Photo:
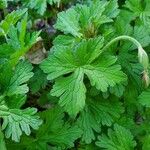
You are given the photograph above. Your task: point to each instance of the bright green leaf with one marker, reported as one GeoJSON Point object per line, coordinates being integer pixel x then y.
{"type": "Point", "coordinates": [118, 139]}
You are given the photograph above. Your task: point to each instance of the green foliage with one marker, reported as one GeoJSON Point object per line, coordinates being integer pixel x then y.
{"type": "Point", "coordinates": [54, 131]}
{"type": "Point", "coordinates": [21, 74]}
{"type": "Point", "coordinates": [80, 62]}
{"type": "Point", "coordinates": [118, 139]}
{"type": "Point", "coordinates": [140, 9]}
{"type": "Point", "coordinates": [40, 5]}
{"type": "Point", "coordinates": [144, 98]}
{"type": "Point", "coordinates": [91, 91]}
{"type": "Point", "coordinates": [3, 4]}
{"type": "Point", "coordinates": [83, 20]}
{"type": "Point", "coordinates": [16, 121]}
{"type": "Point", "coordinates": [38, 81]}
{"type": "Point", "coordinates": [10, 19]}
{"type": "Point", "coordinates": [98, 113]}
{"type": "Point", "coordinates": [14, 74]}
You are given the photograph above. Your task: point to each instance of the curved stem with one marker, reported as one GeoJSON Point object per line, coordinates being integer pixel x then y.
{"type": "Point", "coordinates": [142, 55]}
{"type": "Point", "coordinates": [123, 37]}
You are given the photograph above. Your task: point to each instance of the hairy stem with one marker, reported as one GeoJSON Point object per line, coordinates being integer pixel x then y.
{"type": "Point", "coordinates": [123, 37]}
{"type": "Point", "coordinates": [142, 55]}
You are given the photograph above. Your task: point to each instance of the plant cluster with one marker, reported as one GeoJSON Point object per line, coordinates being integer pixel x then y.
{"type": "Point", "coordinates": [90, 91]}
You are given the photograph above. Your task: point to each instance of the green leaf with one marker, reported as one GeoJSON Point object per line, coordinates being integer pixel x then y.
{"type": "Point", "coordinates": [64, 40]}
{"type": "Point", "coordinates": [122, 23]}
{"type": "Point", "coordinates": [139, 9]}
{"type": "Point", "coordinates": [65, 137]}
{"type": "Point", "coordinates": [117, 90]}
{"type": "Point", "coordinates": [64, 63]}
{"type": "Point", "coordinates": [68, 22]}
{"type": "Point", "coordinates": [71, 91]}
{"type": "Point", "coordinates": [144, 98]}
{"type": "Point", "coordinates": [40, 5]}
{"type": "Point", "coordinates": [53, 120]}
{"type": "Point", "coordinates": [54, 133]}
{"type": "Point", "coordinates": [3, 4]}
{"type": "Point", "coordinates": [97, 113]}
{"type": "Point", "coordinates": [111, 9]}
{"type": "Point", "coordinates": [6, 51]}
{"type": "Point", "coordinates": [2, 142]}
{"type": "Point", "coordinates": [118, 139]}
{"type": "Point", "coordinates": [84, 21]}
{"type": "Point", "coordinates": [88, 147]}
{"type": "Point", "coordinates": [16, 121]}
{"type": "Point", "coordinates": [15, 101]}
{"type": "Point", "coordinates": [10, 20]}
{"type": "Point", "coordinates": [38, 81]}
{"type": "Point", "coordinates": [134, 6]}
{"type": "Point", "coordinates": [105, 73]}
{"type": "Point", "coordinates": [20, 76]}
{"type": "Point", "coordinates": [20, 40]}
{"type": "Point", "coordinates": [78, 63]}
{"type": "Point", "coordinates": [146, 142]}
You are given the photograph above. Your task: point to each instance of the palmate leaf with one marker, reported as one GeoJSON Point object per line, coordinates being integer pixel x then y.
{"type": "Point", "coordinates": [105, 73]}
{"type": "Point", "coordinates": [14, 80]}
{"type": "Point", "coordinates": [96, 113]}
{"type": "Point", "coordinates": [64, 40]}
{"type": "Point", "coordinates": [40, 5]}
{"type": "Point", "coordinates": [9, 20]}
{"type": "Point", "coordinates": [71, 91]}
{"type": "Point", "coordinates": [65, 137]}
{"type": "Point", "coordinates": [54, 133]}
{"type": "Point", "coordinates": [111, 9]}
{"type": "Point", "coordinates": [20, 76]}
{"type": "Point", "coordinates": [84, 21]}
{"type": "Point", "coordinates": [79, 62]}
{"type": "Point", "coordinates": [140, 9]}
{"type": "Point", "coordinates": [20, 40]}
{"type": "Point", "coordinates": [68, 22]}
{"type": "Point", "coordinates": [3, 4]}
{"type": "Point", "coordinates": [118, 139]}
{"type": "Point", "coordinates": [144, 98]}
{"type": "Point", "coordinates": [16, 121]}
{"type": "Point", "coordinates": [66, 62]}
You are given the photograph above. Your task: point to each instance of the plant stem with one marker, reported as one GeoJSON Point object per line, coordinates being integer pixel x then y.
{"type": "Point", "coordinates": [142, 55]}
{"type": "Point", "coordinates": [123, 37]}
